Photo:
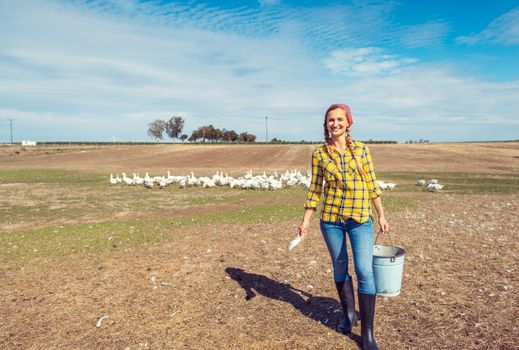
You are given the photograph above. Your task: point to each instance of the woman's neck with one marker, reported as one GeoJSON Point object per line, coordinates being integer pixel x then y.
{"type": "Point", "coordinates": [339, 143]}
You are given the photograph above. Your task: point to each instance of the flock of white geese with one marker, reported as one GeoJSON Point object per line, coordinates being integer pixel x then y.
{"type": "Point", "coordinates": [246, 182]}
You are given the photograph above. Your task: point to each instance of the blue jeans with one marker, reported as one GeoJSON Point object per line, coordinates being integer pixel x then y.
{"type": "Point", "coordinates": [361, 240]}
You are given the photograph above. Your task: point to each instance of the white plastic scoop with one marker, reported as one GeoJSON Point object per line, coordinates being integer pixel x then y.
{"type": "Point", "coordinates": [294, 242]}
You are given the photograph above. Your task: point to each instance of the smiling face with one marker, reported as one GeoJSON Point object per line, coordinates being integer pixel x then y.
{"type": "Point", "coordinates": [336, 122]}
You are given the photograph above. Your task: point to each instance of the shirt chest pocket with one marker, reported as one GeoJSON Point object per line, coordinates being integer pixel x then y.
{"type": "Point", "coordinates": [351, 165]}
{"type": "Point", "coordinates": [329, 170]}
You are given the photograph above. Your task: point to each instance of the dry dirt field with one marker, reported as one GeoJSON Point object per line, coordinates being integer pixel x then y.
{"type": "Point", "coordinates": [87, 266]}
{"type": "Point", "coordinates": [481, 158]}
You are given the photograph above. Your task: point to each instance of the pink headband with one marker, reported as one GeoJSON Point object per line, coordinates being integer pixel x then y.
{"type": "Point", "coordinates": [343, 107]}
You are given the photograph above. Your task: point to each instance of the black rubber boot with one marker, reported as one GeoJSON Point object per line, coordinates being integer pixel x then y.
{"type": "Point", "coordinates": [367, 316]}
{"type": "Point", "coordinates": [349, 320]}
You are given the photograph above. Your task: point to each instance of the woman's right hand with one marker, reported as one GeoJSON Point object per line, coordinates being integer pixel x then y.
{"type": "Point", "coordinates": [302, 230]}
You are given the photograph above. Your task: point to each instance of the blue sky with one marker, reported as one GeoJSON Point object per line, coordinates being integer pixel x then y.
{"type": "Point", "coordinates": [102, 70]}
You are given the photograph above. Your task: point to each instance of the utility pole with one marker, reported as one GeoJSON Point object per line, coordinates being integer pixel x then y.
{"type": "Point", "coordinates": [266, 130]}
{"type": "Point", "coordinates": [11, 121]}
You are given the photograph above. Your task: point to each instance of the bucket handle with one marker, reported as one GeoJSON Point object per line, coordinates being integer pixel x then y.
{"type": "Point", "coordinates": [390, 240]}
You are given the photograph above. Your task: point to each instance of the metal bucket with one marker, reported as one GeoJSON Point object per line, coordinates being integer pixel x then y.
{"type": "Point", "coordinates": [388, 268]}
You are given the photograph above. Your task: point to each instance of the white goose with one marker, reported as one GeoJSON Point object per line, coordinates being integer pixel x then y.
{"type": "Point", "coordinates": [137, 180]}
{"type": "Point", "coordinates": [113, 181]}
{"type": "Point", "coordinates": [192, 180]}
{"type": "Point", "coordinates": [163, 182]}
{"type": "Point", "coordinates": [148, 184]}
{"type": "Point", "coordinates": [390, 186]}
{"type": "Point", "coordinates": [127, 180]}
{"type": "Point", "coordinates": [434, 187]}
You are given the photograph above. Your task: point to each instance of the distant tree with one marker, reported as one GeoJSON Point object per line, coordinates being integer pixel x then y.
{"type": "Point", "coordinates": [230, 135]}
{"type": "Point", "coordinates": [246, 137]}
{"type": "Point", "coordinates": [218, 134]}
{"type": "Point", "coordinates": [204, 133]}
{"type": "Point", "coordinates": [211, 133]}
{"type": "Point", "coordinates": [174, 127]}
{"type": "Point", "coordinates": [199, 134]}
{"type": "Point", "coordinates": [183, 137]}
{"type": "Point", "coordinates": [207, 132]}
{"type": "Point", "coordinates": [156, 129]}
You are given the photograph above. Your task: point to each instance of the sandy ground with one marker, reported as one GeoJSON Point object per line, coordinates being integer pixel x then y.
{"type": "Point", "coordinates": [225, 286]}
{"type": "Point", "coordinates": [487, 158]}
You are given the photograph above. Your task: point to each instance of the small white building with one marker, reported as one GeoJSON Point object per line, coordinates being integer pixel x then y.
{"type": "Point", "coordinates": [28, 143]}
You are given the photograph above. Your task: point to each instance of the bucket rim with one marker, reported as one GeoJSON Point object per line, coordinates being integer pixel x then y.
{"type": "Point", "coordinates": [388, 295]}
{"type": "Point", "coordinates": [399, 251]}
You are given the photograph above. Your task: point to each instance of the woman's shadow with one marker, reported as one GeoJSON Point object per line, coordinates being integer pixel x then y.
{"type": "Point", "coordinates": [320, 309]}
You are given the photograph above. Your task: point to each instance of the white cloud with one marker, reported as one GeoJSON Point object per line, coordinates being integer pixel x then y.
{"type": "Point", "coordinates": [365, 61]}
{"type": "Point", "coordinates": [433, 102]}
{"type": "Point", "coordinates": [503, 30]}
{"type": "Point", "coordinates": [104, 69]}
{"type": "Point", "coordinates": [91, 73]}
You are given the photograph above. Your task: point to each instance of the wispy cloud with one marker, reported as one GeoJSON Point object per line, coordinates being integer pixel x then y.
{"type": "Point", "coordinates": [422, 35]}
{"type": "Point", "coordinates": [105, 69]}
{"type": "Point", "coordinates": [365, 61]}
{"type": "Point", "coordinates": [433, 102]}
{"type": "Point", "coordinates": [325, 27]}
{"type": "Point", "coordinates": [503, 30]}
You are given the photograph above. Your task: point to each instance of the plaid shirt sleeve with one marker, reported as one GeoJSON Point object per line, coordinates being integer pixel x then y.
{"type": "Point", "coordinates": [371, 178]}
{"type": "Point", "coordinates": [316, 183]}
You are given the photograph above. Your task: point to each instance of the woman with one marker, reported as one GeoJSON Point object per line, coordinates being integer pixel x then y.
{"type": "Point", "coordinates": [348, 174]}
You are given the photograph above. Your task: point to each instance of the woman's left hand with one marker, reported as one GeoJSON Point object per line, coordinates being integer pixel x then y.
{"type": "Point", "coordinates": [384, 226]}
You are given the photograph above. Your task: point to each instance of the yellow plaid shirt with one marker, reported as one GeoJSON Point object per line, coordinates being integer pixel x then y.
{"type": "Point", "coordinates": [346, 193]}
